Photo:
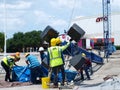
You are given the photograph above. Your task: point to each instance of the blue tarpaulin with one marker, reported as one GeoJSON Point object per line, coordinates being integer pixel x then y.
{"type": "Point", "coordinates": [74, 50]}
{"type": "Point", "coordinates": [22, 74]}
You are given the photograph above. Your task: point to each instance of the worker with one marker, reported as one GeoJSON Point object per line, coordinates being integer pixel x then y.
{"type": "Point", "coordinates": [85, 67]}
{"type": "Point", "coordinates": [56, 60]}
{"type": "Point", "coordinates": [35, 68]}
{"type": "Point", "coordinates": [41, 50]}
{"type": "Point", "coordinates": [7, 63]}
{"type": "Point", "coordinates": [16, 55]}
{"type": "Point", "coordinates": [43, 57]}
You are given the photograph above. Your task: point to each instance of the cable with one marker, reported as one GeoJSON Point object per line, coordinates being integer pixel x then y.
{"type": "Point", "coordinates": [70, 19]}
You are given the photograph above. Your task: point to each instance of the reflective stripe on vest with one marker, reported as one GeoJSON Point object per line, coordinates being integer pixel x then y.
{"type": "Point", "coordinates": [5, 61]}
{"type": "Point", "coordinates": [55, 56]}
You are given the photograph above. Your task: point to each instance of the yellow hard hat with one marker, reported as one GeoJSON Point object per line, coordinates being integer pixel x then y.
{"type": "Point", "coordinates": [26, 54]}
{"type": "Point", "coordinates": [58, 41]}
{"type": "Point", "coordinates": [83, 55]}
{"type": "Point", "coordinates": [53, 42]}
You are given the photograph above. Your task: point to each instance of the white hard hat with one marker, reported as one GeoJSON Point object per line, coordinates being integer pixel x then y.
{"type": "Point", "coordinates": [41, 49]}
{"type": "Point", "coordinates": [73, 41]}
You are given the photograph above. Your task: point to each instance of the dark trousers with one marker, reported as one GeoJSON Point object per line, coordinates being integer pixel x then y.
{"type": "Point", "coordinates": [56, 70]}
{"type": "Point", "coordinates": [86, 72]}
{"type": "Point", "coordinates": [7, 70]}
{"type": "Point", "coordinates": [36, 72]}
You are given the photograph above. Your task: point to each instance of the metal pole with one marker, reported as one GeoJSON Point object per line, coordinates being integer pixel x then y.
{"type": "Point", "coordinates": [5, 27]}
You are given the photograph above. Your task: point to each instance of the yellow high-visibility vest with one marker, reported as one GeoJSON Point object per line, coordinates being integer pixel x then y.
{"type": "Point", "coordinates": [55, 56]}
{"type": "Point", "coordinates": [9, 61]}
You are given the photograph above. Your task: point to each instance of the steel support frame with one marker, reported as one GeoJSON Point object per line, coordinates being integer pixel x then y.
{"type": "Point", "coordinates": [106, 26]}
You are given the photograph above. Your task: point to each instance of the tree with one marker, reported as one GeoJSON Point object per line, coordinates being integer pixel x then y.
{"type": "Point", "coordinates": [33, 39]}
{"type": "Point", "coordinates": [1, 41]}
{"type": "Point", "coordinates": [24, 40]}
{"type": "Point", "coordinates": [18, 39]}
{"type": "Point", "coordinates": [10, 45]}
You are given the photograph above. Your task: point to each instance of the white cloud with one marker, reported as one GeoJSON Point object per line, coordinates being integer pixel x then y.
{"type": "Point", "coordinates": [12, 23]}
{"type": "Point", "coordinates": [59, 22]}
{"type": "Point", "coordinates": [24, 14]}
{"type": "Point", "coordinates": [13, 18]}
{"type": "Point", "coordinates": [41, 16]}
{"type": "Point", "coordinates": [79, 17]}
{"type": "Point", "coordinates": [97, 1]}
{"type": "Point", "coordinates": [16, 22]}
{"type": "Point", "coordinates": [12, 14]}
{"type": "Point", "coordinates": [115, 3]}
{"type": "Point", "coordinates": [16, 5]}
{"type": "Point", "coordinates": [44, 18]}
{"type": "Point", "coordinates": [65, 3]}
{"type": "Point", "coordinates": [59, 25]}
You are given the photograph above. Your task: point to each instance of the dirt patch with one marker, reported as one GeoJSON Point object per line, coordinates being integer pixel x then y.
{"type": "Point", "coordinates": [4, 84]}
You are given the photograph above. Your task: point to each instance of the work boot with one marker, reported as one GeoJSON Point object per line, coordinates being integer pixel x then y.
{"type": "Point", "coordinates": [82, 79]}
{"type": "Point", "coordinates": [88, 79]}
{"type": "Point", "coordinates": [62, 83]}
{"type": "Point", "coordinates": [55, 86]}
{"type": "Point", "coordinates": [10, 80]}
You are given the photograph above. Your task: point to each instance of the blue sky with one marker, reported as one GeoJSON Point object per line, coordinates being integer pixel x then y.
{"type": "Point", "coordinates": [27, 15]}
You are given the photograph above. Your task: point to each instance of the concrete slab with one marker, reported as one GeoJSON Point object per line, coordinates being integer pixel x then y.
{"type": "Point", "coordinates": [112, 67]}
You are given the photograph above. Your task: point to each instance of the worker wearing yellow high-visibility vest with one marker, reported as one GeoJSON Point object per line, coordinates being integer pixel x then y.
{"type": "Point", "coordinates": [56, 60]}
{"type": "Point", "coordinates": [7, 64]}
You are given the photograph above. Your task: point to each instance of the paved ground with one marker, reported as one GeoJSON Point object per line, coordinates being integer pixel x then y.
{"type": "Point", "coordinates": [112, 67]}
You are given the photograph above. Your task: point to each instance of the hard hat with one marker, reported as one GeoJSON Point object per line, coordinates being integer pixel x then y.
{"type": "Point", "coordinates": [58, 41]}
{"type": "Point", "coordinates": [73, 41]}
{"type": "Point", "coordinates": [17, 53]}
{"type": "Point", "coordinates": [41, 49]}
{"type": "Point", "coordinates": [83, 55]}
{"type": "Point", "coordinates": [53, 42]}
{"type": "Point", "coordinates": [26, 54]}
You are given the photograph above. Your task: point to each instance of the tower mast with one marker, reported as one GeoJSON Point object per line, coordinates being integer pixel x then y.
{"type": "Point", "coordinates": [107, 26]}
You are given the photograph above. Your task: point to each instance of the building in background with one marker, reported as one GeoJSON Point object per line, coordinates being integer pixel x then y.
{"type": "Point", "coordinates": [93, 26]}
